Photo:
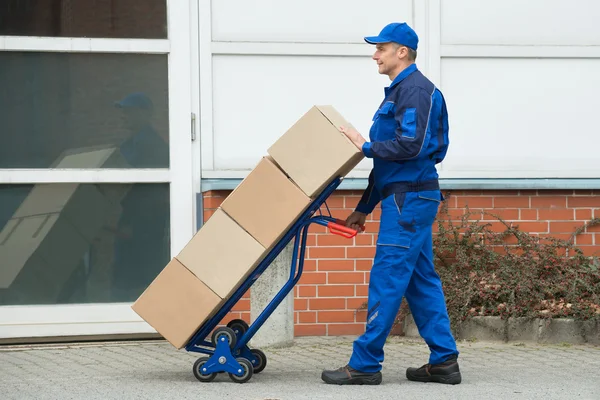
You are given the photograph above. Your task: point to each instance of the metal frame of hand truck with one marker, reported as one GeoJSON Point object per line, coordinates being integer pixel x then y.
{"type": "Point", "coordinates": [228, 349]}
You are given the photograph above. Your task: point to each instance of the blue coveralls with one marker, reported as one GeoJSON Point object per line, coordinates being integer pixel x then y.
{"type": "Point", "coordinates": [409, 136]}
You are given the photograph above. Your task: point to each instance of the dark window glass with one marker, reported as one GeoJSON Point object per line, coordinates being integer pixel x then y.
{"type": "Point", "coordinates": [83, 110]}
{"type": "Point", "coordinates": [83, 18]}
{"type": "Point", "coordinates": [81, 243]}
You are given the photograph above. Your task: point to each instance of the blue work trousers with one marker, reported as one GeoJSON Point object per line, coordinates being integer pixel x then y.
{"type": "Point", "coordinates": [403, 266]}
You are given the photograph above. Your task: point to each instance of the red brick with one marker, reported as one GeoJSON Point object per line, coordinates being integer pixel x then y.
{"type": "Point", "coordinates": [336, 265]}
{"type": "Point", "coordinates": [375, 215]}
{"type": "Point", "coordinates": [361, 252]}
{"type": "Point", "coordinates": [335, 201]}
{"type": "Point", "coordinates": [512, 202]}
{"type": "Point", "coordinates": [327, 304]}
{"type": "Point", "coordinates": [213, 202]}
{"type": "Point", "coordinates": [345, 277]}
{"type": "Point", "coordinates": [351, 201]}
{"type": "Point", "coordinates": [300, 304]}
{"type": "Point", "coordinates": [326, 252]}
{"type": "Point", "coordinates": [587, 201]}
{"type": "Point", "coordinates": [241, 305]}
{"type": "Point", "coordinates": [584, 239]}
{"type": "Point", "coordinates": [362, 290]}
{"type": "Point", "coordinates": [564, 227]}
{"type": "Point", "coordinates": [371, 227]}
{"type": "Point", "coordinates": [556, 214]}
{"type": "Point", "coordinates": [230, 317]}
{"type": "Point", "coordinates": [313, 278]}
{"type": "Point", "coordinates": [307, 317]}
{"type": "Point", "coordinates": [307, 291]}
{"type": "Point", "coordinates": [559, 236]}
{"type": "Point", "coordinates": [309, 265]}
{"type": "Point", "coordinates": [363, 239]}
{"type": "Point", "coordinates": [528, 215]}
{"type": "Point", "coordinates": [364, 265]}
{"type": "Point", "coordinates": [513, 193]}
{"type": "Point", "coordinates": [584, 214]}
{"type": "Point", "coordinates": [355, 303]}
{"type": "Point", "coordinates": [506, 214]}
{"type": "Point", "coordinates": [336, 291]}
{"type": "Point", "coordinates": [207, 214]}
{"type": "Point", "coordinates": [591, 251]}
{"type": "Point", "coordinates": [316, 228]}
{"type": "Point", "coordinates": [528, 192]}
{"type": "Point", "coordinates": [333, 240]}
{"type": "Point", "coordinates": [594, 229]}
{"type": "Point", "coordinates": [556, 192]}
{"type": "Point", "coordinates": [335, 316]}
{"type": "Point", "coordinates": [457, 214]}
{"type": "Point", "coordinates": [245, 316]}
{"type": "Point", "coordinates": [310, 330]}
{"type": "Point", "coordinates": [311, 240]}
{"type": "Point", "coordinates": [531, 227]}
{"type": "Point", "coordinates": [339, 213]}
{"type": "Point", "coordinates": [475, 202]}
{"type": "Point", "coordinates": [345, 329]}
{"type": "Point", "coordinates": [361, 316]}
{"type": "Point", "coordinates": [548, 202]}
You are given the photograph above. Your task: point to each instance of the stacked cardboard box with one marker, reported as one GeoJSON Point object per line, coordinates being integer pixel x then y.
{"type": "Point", "coordinates": [248, 225]}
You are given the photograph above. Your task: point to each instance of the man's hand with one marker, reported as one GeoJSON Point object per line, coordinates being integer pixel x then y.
{"type": "Point", "coordinates": [354, 136]}
{"type": "Point", "coordinates": [356, 220]}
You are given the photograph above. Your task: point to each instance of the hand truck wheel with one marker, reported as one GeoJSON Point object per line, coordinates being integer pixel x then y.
{"type": "Point", "coordinates": [239, 326]}
{"type": "Point", "coordinates": [247, 371]}
{"type": "Point", "coordinates": [202, 377]}
{"type": "Point", "coordinates": [261, 360]}
{"type": "Point", "coordinates": [227, 332]}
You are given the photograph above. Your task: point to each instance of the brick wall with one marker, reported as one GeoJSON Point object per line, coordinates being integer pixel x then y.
{"type": "Point", "coordinates": [336, 271]}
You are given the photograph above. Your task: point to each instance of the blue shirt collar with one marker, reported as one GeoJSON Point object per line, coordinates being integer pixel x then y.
{"type": "Point", "coordinates": [401, 76]}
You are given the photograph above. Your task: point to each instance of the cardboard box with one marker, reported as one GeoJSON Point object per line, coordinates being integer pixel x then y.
{"type": "Point", "coordinates": [313, 151]}
{"type": "Point", "coordinates": [221, 254]}
{"type": "Point", "coordinates": [266, 203]}
{"type": "Point", "coordinates": [176, 304]}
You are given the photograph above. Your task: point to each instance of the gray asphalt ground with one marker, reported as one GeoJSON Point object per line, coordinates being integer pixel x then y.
{"type": "Point", "coordinates": [156, 370]}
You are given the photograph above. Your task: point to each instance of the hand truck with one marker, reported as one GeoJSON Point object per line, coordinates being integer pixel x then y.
{"type": "Point", "coordinates": [228, 350]}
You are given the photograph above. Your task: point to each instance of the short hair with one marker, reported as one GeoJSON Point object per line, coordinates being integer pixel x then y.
{"type": "Point", "coordinates": [412, 54]}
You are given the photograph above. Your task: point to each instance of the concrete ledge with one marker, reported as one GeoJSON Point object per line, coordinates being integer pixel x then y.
{"type": "Point", "coordinates": [547, 331]}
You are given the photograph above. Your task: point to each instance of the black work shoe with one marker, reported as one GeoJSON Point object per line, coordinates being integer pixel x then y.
{"type": "Point", "coordinates": [446, 372]}
{"type": "Point", "coordinates": [349, 376]}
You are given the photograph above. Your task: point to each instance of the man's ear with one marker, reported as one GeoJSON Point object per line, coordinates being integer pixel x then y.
{"type": "Point", "coordinates": [402, 52]}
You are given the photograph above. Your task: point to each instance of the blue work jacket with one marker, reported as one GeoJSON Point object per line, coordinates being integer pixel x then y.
{"type": "Point", "coordinates": [409, 135]}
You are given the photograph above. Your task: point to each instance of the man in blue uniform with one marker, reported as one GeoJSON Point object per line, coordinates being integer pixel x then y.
{"type": "Point", "coordinates": [409, 136]}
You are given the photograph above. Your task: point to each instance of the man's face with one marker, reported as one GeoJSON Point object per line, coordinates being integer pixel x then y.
{"type": "Point", "coordinates": [389, 58]}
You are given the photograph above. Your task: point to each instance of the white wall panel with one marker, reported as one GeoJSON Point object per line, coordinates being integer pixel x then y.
{"type": "Point", "coordinates": [522, 117]}
{"type": "Point", "coordinates": [257, 98]}
{"type": "Point", "coordinates": [320, 21]}
{"type": "Point", "coordinates": [521, 22]}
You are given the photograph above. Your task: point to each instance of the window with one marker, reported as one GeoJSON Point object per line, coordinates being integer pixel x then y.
{"type": "Point", "coordinates": [61, 109]}
{"type": "Point", "coordinates": [145, 19]}
{"type": "Point", "coordinates": [81, 243]}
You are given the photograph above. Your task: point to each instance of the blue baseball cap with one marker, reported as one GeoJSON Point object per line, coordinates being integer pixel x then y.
{"type": "Point", "coordinates": [396, 32]}
{"type": "Point", "coordinates": [137, 100]}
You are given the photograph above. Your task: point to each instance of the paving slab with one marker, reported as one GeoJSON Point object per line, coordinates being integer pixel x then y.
{"type": "Point", "coordinates": [155, 370]}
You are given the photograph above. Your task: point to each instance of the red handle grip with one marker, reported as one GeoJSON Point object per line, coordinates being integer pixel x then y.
{"type": "Point", "coordinates": [341, 230]}
{"type": "Point", "coordinates": [342, 222]}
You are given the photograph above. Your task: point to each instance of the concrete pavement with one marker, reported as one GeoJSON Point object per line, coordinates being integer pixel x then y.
{"type": "Point", "coordinates": [155, 370]}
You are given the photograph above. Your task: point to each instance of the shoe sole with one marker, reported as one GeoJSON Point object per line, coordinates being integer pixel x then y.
{"type": "Point", "coordinates": [453, 379]}
{"type": "Point", "coordinates": [360, 380]}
